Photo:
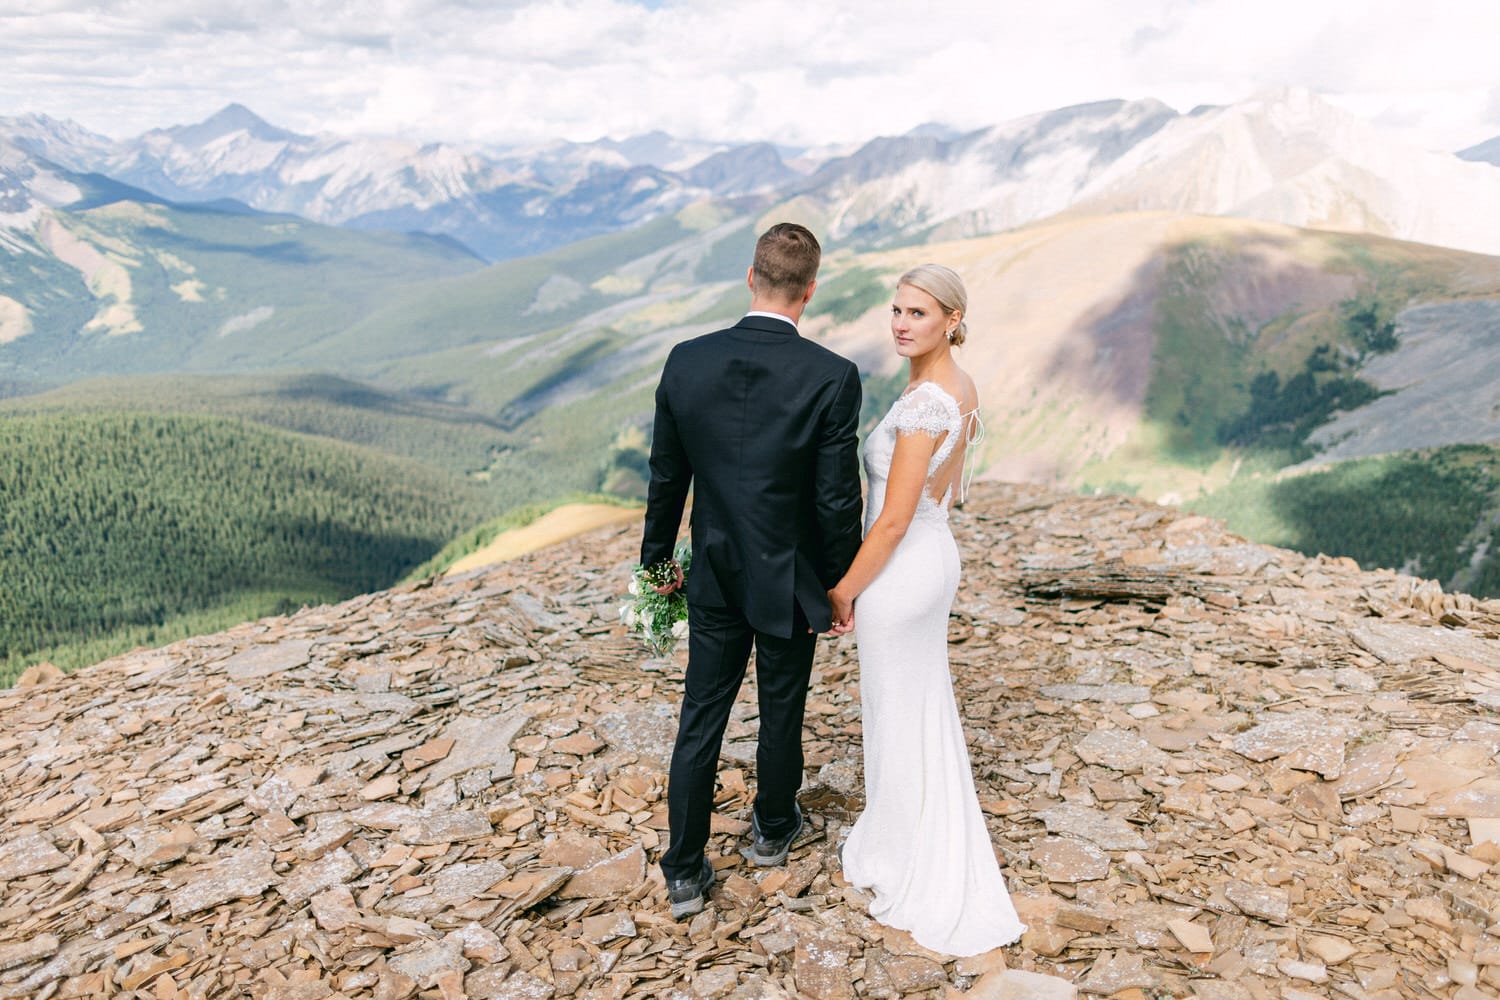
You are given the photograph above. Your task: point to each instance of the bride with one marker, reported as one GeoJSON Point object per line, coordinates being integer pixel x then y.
{"type": "Point", "coordinates": [921, 844]}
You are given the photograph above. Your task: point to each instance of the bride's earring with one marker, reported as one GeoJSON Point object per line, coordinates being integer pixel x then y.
{"type": "Point", "coordinates": [950, 336]}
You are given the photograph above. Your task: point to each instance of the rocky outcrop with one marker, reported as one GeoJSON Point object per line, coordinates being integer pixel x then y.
{"type": "Point", "coordinates": [1210, 769]}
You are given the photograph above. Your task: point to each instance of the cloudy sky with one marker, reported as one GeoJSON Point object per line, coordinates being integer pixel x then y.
{"type": "Point", "coordinates": [508, 72]}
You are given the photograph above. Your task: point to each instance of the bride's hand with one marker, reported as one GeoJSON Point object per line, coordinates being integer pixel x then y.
{"type": "Point", "coordinates": [843, 613]}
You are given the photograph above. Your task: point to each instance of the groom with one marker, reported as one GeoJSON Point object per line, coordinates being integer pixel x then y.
{"type": "Point", "coordinates": [762, 424]}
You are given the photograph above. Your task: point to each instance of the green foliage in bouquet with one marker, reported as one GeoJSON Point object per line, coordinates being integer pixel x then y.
{"type": "Point", "coordinates": [658, 620]}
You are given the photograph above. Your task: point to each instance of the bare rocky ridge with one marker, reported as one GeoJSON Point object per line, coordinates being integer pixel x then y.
{"type": "Point", "coordinates": [1446, 352]}
{"type": "Point", "coordinates": [1211, 769]}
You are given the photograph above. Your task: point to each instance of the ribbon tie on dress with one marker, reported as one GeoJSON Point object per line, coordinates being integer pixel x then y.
{"type": "Point", "coordinates": [973, 434]}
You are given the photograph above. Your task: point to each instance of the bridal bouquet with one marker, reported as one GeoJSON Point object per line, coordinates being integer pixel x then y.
{"type": "Point", "coordinates": [659, 620]}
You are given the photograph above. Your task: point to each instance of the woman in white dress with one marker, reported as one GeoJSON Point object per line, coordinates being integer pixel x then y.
{"type": "Point", "coordinates": [920, 846]}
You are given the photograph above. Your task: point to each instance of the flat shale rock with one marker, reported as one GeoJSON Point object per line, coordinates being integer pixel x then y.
{"type": "Point", "coordinates": [648, 732]}
{"type": "Point", "coordinates": [1311, 739]}
{"type": "Point", "coordinates": [478, 742]}
{"type": "Point", "coordinates": [451, 888]}
{"type": "Point", "coordinates": [1120, 750]}
{"type": "Point", "coordinates": [1397, 642]}
{"type": "Point", "coordinates": [25, 952]}
{"type": "Point", "coordinates": [714, 983]}
{"type": "Point", "coordinates": [614, 876]}
{"type": "Point", "coordinates": [446, 828]}
{"type": "Point", "coordinates": [265, 661]}
{"type": "Point", "coordinates": [1118, 694]}
{"type": "Point", "coordinates": [243, 875]}
{"type": "Point", "coordinates": [1259, 901]}
{"type": "Point", "coordinates": [29, 854]}
{"type": "Point", "coordinates": [1094, 825]}
{"type": "Point", "coordinates": [1115, 972]}
{"type": "Point", "coordinates": [1017, 984]}
{"type": "Point", "coordinates": [307, 880]}
{"type": "Point", "coordinates": [1064, 859]}
{"type": "Point", "coordinates": [911, 973]}
{"type": "Point", "coordinates": [821, 967]}
{"type": "Point", "coordinates": [334, 908]}
{"type": "Point", "coordinates": [574, 850]}
{"type": "Point", "coordinates": [1209, 989]}
{"type": "Point", "coordinates": [522, 986]}
{"type": "Point", "coordinates": [1367, 769]}
{"type": "Point", "coordinates": [1180, 741]}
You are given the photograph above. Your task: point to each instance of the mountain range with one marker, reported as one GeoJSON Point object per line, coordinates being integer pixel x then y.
{"type": "Point", "coordinates": [1284, 156]}
{"type": "Point", "coordinates": [502, 206]}
{"type": "Point", "coordinates": [1092, 210]}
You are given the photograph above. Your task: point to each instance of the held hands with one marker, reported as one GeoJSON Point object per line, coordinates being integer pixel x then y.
{"type": "Point", "coordinates": [843, 613]}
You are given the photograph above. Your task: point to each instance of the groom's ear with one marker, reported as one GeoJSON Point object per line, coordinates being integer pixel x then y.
{"type": "Point", "coordinates": [750, 278]}
{"type": "Point", "coordinates": [807, 295]}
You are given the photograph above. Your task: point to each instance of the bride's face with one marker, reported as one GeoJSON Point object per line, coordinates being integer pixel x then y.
{"type": "Point", "coordinates": [918, 322]}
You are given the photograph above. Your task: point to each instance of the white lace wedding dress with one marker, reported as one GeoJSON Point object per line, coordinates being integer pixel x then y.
{"type": "Point", "coordinates": [921, 844]}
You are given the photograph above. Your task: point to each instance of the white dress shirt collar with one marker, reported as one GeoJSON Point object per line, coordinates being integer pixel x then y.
{"type": "Point", "coordinates": [771, 315]}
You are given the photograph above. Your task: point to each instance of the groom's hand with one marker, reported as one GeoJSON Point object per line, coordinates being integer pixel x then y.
{"type": "Point", "coordinates": [674, 584]}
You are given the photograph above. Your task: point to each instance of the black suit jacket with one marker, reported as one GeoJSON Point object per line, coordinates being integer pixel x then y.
{"type": "Point", "coordinates": [764, 426]}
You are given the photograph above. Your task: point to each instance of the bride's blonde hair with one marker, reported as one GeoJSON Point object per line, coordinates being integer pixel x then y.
{"type": "Point", "coordinates": [943, 284]}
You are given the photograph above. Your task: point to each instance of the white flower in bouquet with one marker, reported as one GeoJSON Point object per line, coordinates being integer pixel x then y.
{"type": "Point", "coordinates": [659, 620]}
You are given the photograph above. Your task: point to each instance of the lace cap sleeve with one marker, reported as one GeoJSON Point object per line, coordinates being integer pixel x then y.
{"type": "Point", "coordinates": [924, 412]}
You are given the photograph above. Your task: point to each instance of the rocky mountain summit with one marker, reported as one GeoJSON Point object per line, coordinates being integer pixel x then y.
{"type": "Point", "coordinates": [1211, 769]}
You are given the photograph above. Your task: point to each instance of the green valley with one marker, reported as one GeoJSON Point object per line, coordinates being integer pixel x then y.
{"type": "Point", "coordinates": [1170, 356]}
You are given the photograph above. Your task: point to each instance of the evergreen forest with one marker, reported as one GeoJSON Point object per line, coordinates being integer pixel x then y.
{"type": "Point", "coordinates": [1433, 514]}
{"type": "Point", "coordinates": [121, 528]}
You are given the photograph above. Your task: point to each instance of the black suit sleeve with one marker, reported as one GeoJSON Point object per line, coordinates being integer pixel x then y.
{"type": "Point", "coordinates": [837, 480]}
{"type": "Point", "coordinates": [671, 475]}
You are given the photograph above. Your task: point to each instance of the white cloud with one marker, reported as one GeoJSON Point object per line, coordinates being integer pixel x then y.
{"type": "Point", "coordinates": [530, 70]}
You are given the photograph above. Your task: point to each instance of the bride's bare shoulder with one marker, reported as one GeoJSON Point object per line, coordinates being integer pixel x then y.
{"type": "Point", "coordinates": [963, 390]}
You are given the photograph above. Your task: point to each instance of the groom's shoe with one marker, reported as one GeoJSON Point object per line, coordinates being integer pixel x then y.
{"type": "Point", "coordinates": [687, 894]}
{"type": "Point", "coordinates": [769, 851]}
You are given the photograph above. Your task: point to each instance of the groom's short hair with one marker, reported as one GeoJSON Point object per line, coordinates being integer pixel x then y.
{"type": "Point", "coordinates": [786, 260]}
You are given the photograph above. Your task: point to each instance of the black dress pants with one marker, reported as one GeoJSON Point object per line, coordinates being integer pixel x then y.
{"type": "Point", "coordinates": [719, 642]}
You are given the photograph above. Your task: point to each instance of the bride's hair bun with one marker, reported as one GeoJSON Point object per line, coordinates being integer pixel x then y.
{"type": "Point", "coordinates": [943, 284]}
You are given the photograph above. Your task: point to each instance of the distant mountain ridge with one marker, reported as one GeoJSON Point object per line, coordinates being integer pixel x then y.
{"type": "Point", "coordinates": [505, 206]}
{"type": "Point", "coordinates": [98, 277]}
{"type": "Point", "coordinates": [1282, 156]}
{"type": "Point", "coordinates": [1485, 152]}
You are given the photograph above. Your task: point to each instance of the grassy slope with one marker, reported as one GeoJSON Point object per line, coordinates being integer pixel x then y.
{"type": "Point", "coordinates": [1217, 327]}
{"type": "Point", "coordinates": [492, 306]}
{"type": "Point", "coordinates": [481, 535]}
{"type": "Point", "coordinates": [1206, 355]}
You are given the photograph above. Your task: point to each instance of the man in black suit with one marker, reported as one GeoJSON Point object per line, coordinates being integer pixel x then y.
{"type": "Point", "coordinates": [763, 425]}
